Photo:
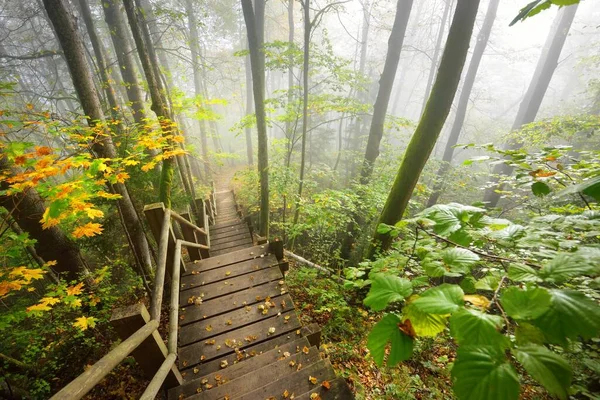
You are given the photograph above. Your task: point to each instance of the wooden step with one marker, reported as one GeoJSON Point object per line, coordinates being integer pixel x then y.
{"type": "Point", "coordinates": [226, 225]}
{"type": "Point", "coordinates": [245, 241]}
{"type": "Point", "coordinates": [220, 235]}
{"type": "Point", "coordinates": [236, 370]}
{"type": "Point", "coordinates": [338, 390]}
{"type": "Point", "coordinates": [197, 277]}
{"type": "Point", "coordinates": [225, 343]}
{"type": "Point", "coordinates": [231, 249]}
{"type": "Point", "coordinates": [225, 239]}
{"type": "Point", "coordinates": [232, 258]}
{"type": "Point", "coordinates": [284, 367]}
{"type": "Point", "coordinates": [232, 320]}
{"type": "Point", "coordinates": [295, 384]}
{"type": "Point", "coordinates": [235, 284]}
{"type": "Point", "coordinates": [220, 305]}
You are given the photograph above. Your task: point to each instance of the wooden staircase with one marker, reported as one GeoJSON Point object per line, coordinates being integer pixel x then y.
{"type": "Point", "coordinates": [239, 335]}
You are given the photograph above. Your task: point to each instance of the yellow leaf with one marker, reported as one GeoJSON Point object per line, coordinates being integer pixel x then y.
{"type": "Point", "coordinates": [477, 300]}
{"type": "Point", "coordinates": [75, 290]}
{"type": "Point", "coordinates": [93, 213]}
{"type": "Point", "coordinates": [122, 176]}
{"type": "Point", "coordinates": [107, 195]}
{"type": "Point", "coordinates": [38, 307]}
{"type": "Point", "coordinates": [90, 229]}
{"type": "Point", "coordinates": [130, 162]}
{"type": "Point", "coordinates": [85, 322]}
{"type": "Point", "coordinates": [50, 300]}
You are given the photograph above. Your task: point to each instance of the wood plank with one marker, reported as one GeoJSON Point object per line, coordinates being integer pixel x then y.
{"type": "Point", "coordinates": [236, 370]}
{"type": "Point", "coordinates": [232, 320]}
{"type": "Point", "coordinates": [296, 384]}
{"type": "Point", "coordinates": [225, 343]}
{"type": "Point", "coordinates": [232, 258]}
{"type": "Point", "coordinates": [242, 235]}
{"type": "Point", "coordinates": [279, 370]}
{"type": "Point", "coordinates": [226, 225]}
{"type": "Point", "coordinates": [231, 232]}
{"type": "Point", "coordinates": [235, 284]}
{"type": "Point", "coordinates": [196, 277]}
{"type": "Point", "coordinates": [229, 250]}
{"type": "Point", "coordinates": [339, 390]}
{"type": "Point", "coordinates": [246, 354]}
{"type": "Point", "coordinates": [220, 305]}
{"type": "Point", "coordinates": [246, 242]}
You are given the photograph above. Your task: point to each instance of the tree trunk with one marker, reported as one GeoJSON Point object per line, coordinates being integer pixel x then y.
{"type": "Point", "coordinates": [535, 93]}
{"type": "Point", "coordinates": [249, 109]}
{"type": "Point", "coordinates": [463, 102]}
{"type": "Point", "coordinates": [66, 31]}
{"type": "Point", "coordinates": [27, 209]}
{"type": "Point", "coordinates": [436, 53]}
{"type": "Point", "coordinates": [432, 121]}
{"type": "Point", "coordinates": [111, 96]}
{"type": "Point", "coordinates": [290, 94]}
{"type": "Point", "coordinates": [386, 82]}
{"type": "Point", "coordinates": [159, 100]}
{"type": "Point", "coordinates": [125, 58]}
{"type": "Point", "coordinates": [258, 84]}
{"type": "Point", "coordinates": [195, 52]}
{"type": "Point", "coordinates": [305, 66]}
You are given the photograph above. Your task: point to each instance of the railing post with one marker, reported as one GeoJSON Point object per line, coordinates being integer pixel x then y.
{"type": "Point", "coordinates": [154, 215]}
{"type": "Point", "coordinates": [209, 210]}
{"type": "Point", "coordinates": [190, 235]}
{"type": "Point", "coordinates": [214, 199]}
{"type": "Point", "coordinates": [152, 352]}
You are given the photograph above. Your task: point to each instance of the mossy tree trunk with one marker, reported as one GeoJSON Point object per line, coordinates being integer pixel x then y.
{"type": "Point", "coordinates": [258, 85]}
{"type": "Point", "coordinates": [427, 132]}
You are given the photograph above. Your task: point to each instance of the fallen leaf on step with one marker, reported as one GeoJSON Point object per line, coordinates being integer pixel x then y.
{"type": "Point", "coordinates": [312, 380]}
{"type": "Point", "coordinates": [326, 385]}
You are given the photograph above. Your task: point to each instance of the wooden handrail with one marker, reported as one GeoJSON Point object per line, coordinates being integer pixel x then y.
{"type": "Point", "coordinates": [85, 382]}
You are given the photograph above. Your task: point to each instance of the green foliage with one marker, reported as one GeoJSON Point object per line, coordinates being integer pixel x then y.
{"type": "Point", "coordinates": [526, 289]}
{"type": "Point", "coordinates": [537, 6]}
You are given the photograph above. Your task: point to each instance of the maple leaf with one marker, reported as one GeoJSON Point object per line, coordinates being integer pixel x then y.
{"type": "Point", "coordinates": [50, 300]}
{"type": "Point", "coordinates": [28, 274]}
{"type": "Point", "coordinates": [93, 213]}
{"type": "Point", "coordinates": [122, 177]}
{"type": "Point", "coordinates": [75, 290]}
{"type": "Point", "coordinates": [90, 229]}
{"type": "Point", "coordinates": [107, 195]}
{"type": "Point", "coordinates": [85, 322]}
{"type": "Point", "coordinates": [39, 307]}
{"type": "Point", "coordinates": [130, 162]}
{"type": "Point", "coordinates": [42, 150]}
{"type": "Point", "coordinates": [8, 286]}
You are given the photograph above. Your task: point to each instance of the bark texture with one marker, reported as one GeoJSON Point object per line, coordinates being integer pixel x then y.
{"type": "Point", "coordinates": [386, 82]}
{"type": "Point", "coordinates": [427, 132]}
{"type": "Point", "coordinates": [258, 85]}
{"type": "Point", "coordinates": [463, 102]}
{"type": "Point", "coordinates": [64, 24]}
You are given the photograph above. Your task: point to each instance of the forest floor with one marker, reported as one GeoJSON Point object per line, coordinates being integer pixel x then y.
{"type": "Point", "coordinates": [345, 326]}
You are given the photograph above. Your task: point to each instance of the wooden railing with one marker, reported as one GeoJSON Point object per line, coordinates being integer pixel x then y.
{"type": "Point", "coordinates": [197, 240]}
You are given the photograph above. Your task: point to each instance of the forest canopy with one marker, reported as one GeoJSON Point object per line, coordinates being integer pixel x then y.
{"type": "Point", "coordinates": [431, 167]}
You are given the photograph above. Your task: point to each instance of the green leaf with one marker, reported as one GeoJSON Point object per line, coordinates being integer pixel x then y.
{"type": "Point", "coordinates": [540, 189]}
{"type": "Point", "coordinates": [564, 2]}
{"type": "Point", "coordinates": [384, 332]}
{"type": "Point", "coordinates": [423, 323]}
{"type": "Point", "coordinates": [565, 266]}
{"type": "Point", "coordinates": [483, 373]}
{"type": "Point", "coordinates": [522, 273]}
{"type": "Point", "coordinates": [590, 188]}
{"type": "Point", "coordinates": [571, 314]}
{"type": "Point", "coordinates": [473, 327]}
{"type": "Point", "coordinates": [525, 333]}
{"type": "Point", "coordinates": [443, 299]}
{"type": "Point", "coordinates": [458, 259]}
{"type": "Point", "coordinates": [525, 304]}
{"type": "Point", "coordinates": [386, 289]}
{"type": "Point", "coordinates": [546, 367]}
{"type": "Point", "coordinates": [434, 268]}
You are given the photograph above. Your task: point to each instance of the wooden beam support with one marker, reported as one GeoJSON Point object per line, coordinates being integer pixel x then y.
{"type": "Point", "coordinates": [154, 215]}
{"type": "Point", "coordinates": [190, 235]}
{"type": "Point", "coordinates": [152, 352]}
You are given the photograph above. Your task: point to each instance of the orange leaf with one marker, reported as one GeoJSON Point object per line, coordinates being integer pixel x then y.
{"type": "Point", "coordinates": [90, 229]}
{"type": "Point", "coordinates": [75, 290]}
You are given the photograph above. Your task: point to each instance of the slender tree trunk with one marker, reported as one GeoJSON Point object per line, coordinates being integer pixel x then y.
{"type": "Point", "coordinates": [436, 53]}
{"type": "Point", "coordinates": [249, 109]}
{"type": "Point", "coordinates": [305, 66]}
{"type": "Point", "coordinates": [427, 132]}
{"type": "Point", "coordinates": [27, 209]}
{"type": "Point", "coordinates": [100, 58]}
{"type": "Point", "coordinates": [159, 100]}
{"type": "Point", "coordinates": [65, 27]}
{"type": "Point", "coordinates": [258, 84]}
{"type": "Point", "coordinates": [535, 93]}
{"type": "Point", "coordinates": [386, 82]}
{"type": "Point", "coordinates": [125, 58]}
{"type": "Point", "coordinates": [195, 52]}
{"type": "Point", "coordinates": [463, 102]}
{"type": "Point", "coordinates": [290, 94]}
